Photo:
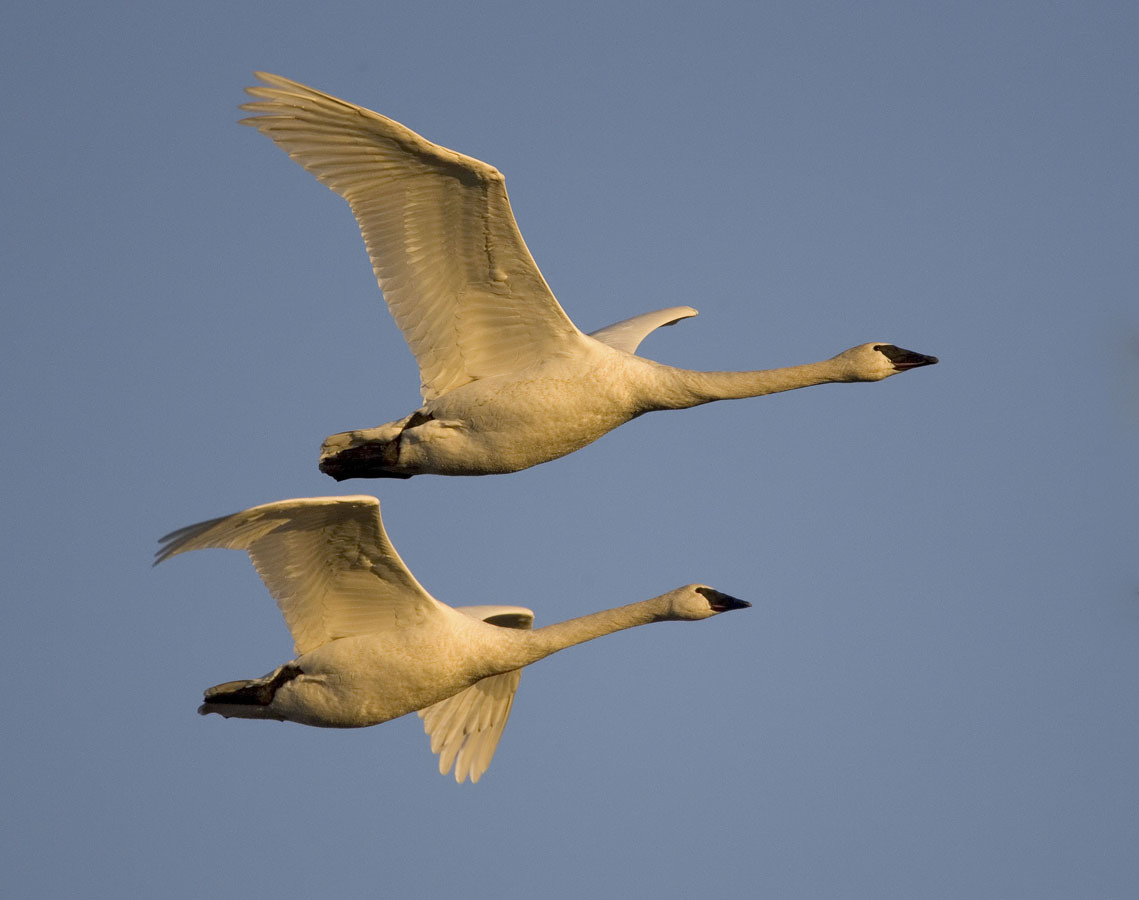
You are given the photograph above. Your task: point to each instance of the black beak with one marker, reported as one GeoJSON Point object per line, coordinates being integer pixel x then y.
{"type": "Point", "coordinates": [722, 602]}
{"type": "Point", "coordinates": [906, 359]}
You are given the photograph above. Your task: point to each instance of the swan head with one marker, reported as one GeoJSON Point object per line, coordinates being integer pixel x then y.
{"type": "Point", "coordinates": [876, 360]}
{"type": "Point", "coordinates": [698, 601]}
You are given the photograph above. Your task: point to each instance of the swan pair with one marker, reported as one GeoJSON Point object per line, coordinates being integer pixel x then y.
{"type": "Point", "coordinates": [508, 382]}
{"type": "Point", "coordinates": [373, 645]}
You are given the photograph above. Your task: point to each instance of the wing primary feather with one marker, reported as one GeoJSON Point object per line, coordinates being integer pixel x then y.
{"type": "Point", "coordinates": [465, 729]}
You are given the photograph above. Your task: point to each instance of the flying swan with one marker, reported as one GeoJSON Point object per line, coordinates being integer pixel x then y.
{"type": "Point", "coordinates": [508, 381]}
{"type": "Point", "coordinates": [373, 645]}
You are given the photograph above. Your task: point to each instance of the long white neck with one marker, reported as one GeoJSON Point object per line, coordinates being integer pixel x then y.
{"type": "Point", "coordinates": [683, 388]}
{"type": "Point", "coordinates": [530, 646]}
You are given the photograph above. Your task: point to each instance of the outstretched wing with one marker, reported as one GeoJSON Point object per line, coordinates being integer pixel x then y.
{"type": "Point", "coordinates": [327, 561]}
{"type": "Point", "coordinates": [627, 334]}
{"type": "Point", "coordinates": [464, 729]}
{"type": "Point", "coordinates": [455, 272]}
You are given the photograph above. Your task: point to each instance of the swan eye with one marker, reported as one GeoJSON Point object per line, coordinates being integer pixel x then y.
{"type": "Point", "coordinates": [879, 347]}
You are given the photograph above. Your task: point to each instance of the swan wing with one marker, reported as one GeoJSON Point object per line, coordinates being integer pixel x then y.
{"type": "Point", "coordinates": [452, 265]}
{"type": "Point", "coordinates": [627, 334]}
{"type": "Point", "coordinates": [464, 729]}
{"type": "Point", "coordinates": [327, 561]}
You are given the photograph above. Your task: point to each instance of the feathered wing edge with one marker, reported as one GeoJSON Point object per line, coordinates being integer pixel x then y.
{"type": "Point", "coordinates": [628, 333]}
{"type": "Point", "coordinates": [464, 729]}
{"type": "Point", "coordinates": [327, 561]}
{"type": "Point", "coordinates": [446, 250]}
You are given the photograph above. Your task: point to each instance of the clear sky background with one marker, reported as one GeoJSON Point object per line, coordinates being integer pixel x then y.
{"type": "Point", "coordinates": [935, 693]}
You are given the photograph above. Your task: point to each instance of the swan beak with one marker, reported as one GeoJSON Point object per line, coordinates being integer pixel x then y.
{"type": "Point", "coordinates": [723, 602]}
{"type": "Point", "coordinates": [907, 359]}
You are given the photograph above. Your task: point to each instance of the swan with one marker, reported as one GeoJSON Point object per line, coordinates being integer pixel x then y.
{"type": "Point", "coordinates": [372, 645]}
{"type": "Point", "coordinates": [507, 380]}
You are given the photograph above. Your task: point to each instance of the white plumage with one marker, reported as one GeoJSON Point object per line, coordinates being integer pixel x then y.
{"type": "Point", "coordinates": [508, 381]}
{"type": "Point", "coordinates": [373, 645]}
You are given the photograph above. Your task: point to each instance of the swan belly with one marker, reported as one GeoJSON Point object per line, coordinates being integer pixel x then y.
{"type": "Point", "coordinates": [501, 423]}
{"type": "Point", "coordinates": [365, 680]}
{"type": "Point", "coordinates": [506, 423]}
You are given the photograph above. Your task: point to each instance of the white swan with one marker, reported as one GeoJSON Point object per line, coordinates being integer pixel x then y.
{"type": "Point", "coordinates": [508, 381]}
{"type": "Point", "coordinates": [373, 645]}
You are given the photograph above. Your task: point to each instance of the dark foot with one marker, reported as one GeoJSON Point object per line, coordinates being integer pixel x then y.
{"type": "Point", "coordinates": [251, 693]}
{"type": "Point", "coordinates": [365, 461]}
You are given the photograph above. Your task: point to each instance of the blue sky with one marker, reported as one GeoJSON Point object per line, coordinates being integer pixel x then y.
{"type": "Point", "coordinates": [934, 693]}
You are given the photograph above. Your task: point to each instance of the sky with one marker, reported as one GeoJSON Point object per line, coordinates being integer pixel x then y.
{"type": "Point", "coordinates": [934, 693]}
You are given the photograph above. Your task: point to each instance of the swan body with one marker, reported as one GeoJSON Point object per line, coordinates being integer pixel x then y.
{"type": "Point", "coordinates": [372, 645]}
{"type": "Point", "coordinates": [508, 381]}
